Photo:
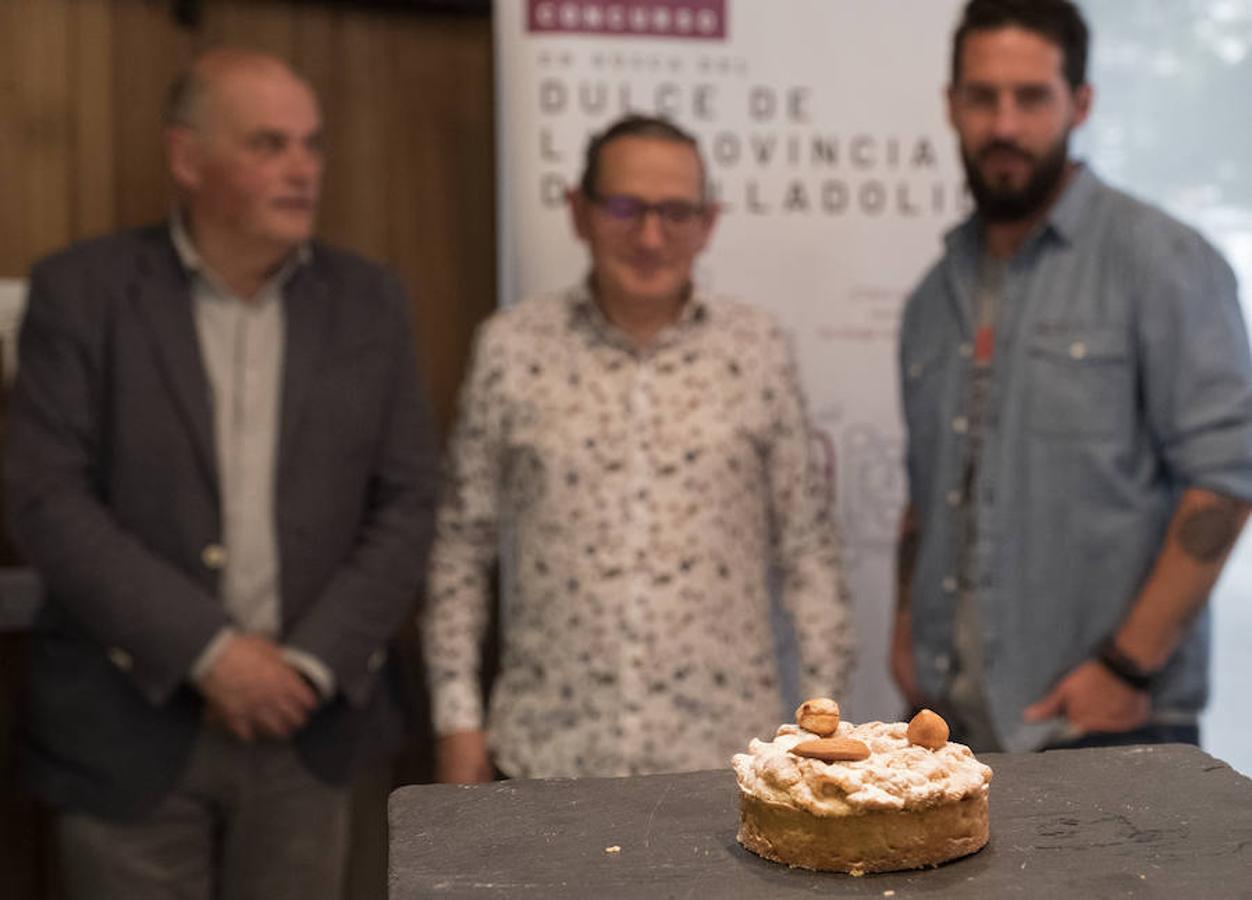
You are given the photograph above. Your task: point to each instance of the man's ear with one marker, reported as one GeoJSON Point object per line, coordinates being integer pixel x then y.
{"type": "Point", "coordinates": [712, 212]}
{"type": "Point", "coordinates": [949, 103]}
{"type": "Point", "coordinates": [579, 212]}
{"type": "Point", "coordinates": [183, 152]}
{"type": "Point", "coordinates": [1084, 96]}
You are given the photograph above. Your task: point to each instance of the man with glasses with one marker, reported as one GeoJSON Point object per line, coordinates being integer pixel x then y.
{"type": "Point", "coordinates": [644, 450]}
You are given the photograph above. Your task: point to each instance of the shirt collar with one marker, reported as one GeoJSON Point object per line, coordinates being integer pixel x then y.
{"type": "Point", "coordinates": [1070, 210]}
{"type": "Point", "coordinates": [1065, 219]}
{"type": "Point", "coordinates": [584, 309]}
{"type": "Point", "coordinates": [192, 261]}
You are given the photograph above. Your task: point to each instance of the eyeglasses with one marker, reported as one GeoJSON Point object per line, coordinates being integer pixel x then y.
{"type": "Point", "coordinates": [629, 212]}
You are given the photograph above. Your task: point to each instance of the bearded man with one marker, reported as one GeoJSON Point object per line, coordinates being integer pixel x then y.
{"type": "Point", "coordinates": [1078, 396]}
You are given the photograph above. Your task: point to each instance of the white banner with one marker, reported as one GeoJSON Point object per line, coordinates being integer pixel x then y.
{"type": "Point", "coordinates": [824, 127]}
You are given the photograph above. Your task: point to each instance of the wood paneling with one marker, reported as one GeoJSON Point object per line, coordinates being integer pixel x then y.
{"type": "Point", "coordinates": [407, 102]}
{"type": "Point", "coordinates": [92, 111]}
{"type": "Point", "coordinates": [407, 99]}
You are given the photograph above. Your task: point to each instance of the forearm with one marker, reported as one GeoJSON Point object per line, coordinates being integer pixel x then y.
{"type": "Point", "coordinates": [906, 558]}
{"type": "Point", "coordinates": [1201, 533]}
{"type": "Point", "coordinates": [452, 635]}
{"type": "Point", "coordinates": [815, 596]}
{"type": "Point", "coordinates": [362, 606]}
{"type": "Point", "coordinates": [821, 612]}
{"type": "Point", "coordinates": [461, 590]}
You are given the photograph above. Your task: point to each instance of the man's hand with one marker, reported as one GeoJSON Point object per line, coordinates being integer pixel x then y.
{"type": "Point", "coordinates": [903, 665]}
{"type": "Point", "coordinates": [252, 691]}
{"type": "Point", "coordinates": [1091, 698]}
{"type": "Point", "coordinates": [462, 758]}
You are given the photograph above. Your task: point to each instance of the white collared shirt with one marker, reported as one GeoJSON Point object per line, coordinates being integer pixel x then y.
{"type": "Point", "coordinates": [242, 344]}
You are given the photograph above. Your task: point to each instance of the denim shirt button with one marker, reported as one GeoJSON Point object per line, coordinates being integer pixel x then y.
{"type": "Point", "coordinates": [949, 584]}
{"type": "Point", "coordinates": [954, 497]}
{"type": "Point", "coordinates": [1078, 350]}
{"type": "Point", "coordinates": [943, 663]}
{"type": "Point", "coordinates": [960, 424]}
{"type": "Point", "coordinates": [967, 349]}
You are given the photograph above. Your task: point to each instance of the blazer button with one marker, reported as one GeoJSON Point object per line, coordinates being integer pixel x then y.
{"type": "Point", "coordinates": [213, 556]}
{"type": "Point", "coordinates": [121, 659]}
{"type": "Point", "coordinates": [376, 660]}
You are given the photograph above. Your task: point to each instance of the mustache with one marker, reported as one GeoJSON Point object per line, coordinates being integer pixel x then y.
{"type": "Point", "coordinates": [1005, 147]}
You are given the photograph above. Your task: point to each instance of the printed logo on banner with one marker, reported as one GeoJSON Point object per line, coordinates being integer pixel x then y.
{"type": "Point", "coordinates": [687, 19]}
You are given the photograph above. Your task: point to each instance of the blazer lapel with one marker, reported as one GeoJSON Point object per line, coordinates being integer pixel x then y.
{"type": "Point", "coordinates": [162, 296]}
{"type": "Point", "coordinates": [307, 316]}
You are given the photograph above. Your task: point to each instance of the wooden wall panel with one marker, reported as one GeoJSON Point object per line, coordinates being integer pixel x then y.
{"type": "Point", "coordinates": [148, 52]}
{"type": "Point", "coordinates": [361, 167]}
{"type": "Point", "coordinates": [92, 111]}
{"type": "Point", "coordinates": [43, 110]}
{"type": "Point", "coordinates": [12, 197]}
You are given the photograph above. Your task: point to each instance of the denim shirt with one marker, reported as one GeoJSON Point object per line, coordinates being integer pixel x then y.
{"type": "Point", "coordinates": [1121, 377]}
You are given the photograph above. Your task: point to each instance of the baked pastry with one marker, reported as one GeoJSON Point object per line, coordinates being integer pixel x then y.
{"type": "Point", "coordinates": [876, 797]}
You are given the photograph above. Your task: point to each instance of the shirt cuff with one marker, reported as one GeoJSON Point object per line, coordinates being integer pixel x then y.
{"type": "Point", "coordinates": [456, 706]}
{"type": "Point", "coordinates": [313, 669]}
{"type": "Point", "coordinates": [209, 655]}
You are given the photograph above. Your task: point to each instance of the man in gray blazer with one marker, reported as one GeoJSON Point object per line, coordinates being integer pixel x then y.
{"type": "Point", "coordinates": [220, 462]}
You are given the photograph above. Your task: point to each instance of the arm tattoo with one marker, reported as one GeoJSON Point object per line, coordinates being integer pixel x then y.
{"type": "Point", "coordinates": [1207, 533]}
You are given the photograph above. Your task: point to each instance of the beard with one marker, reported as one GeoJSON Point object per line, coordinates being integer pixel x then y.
{"type": "Point", "coordinates": [1001, 203]}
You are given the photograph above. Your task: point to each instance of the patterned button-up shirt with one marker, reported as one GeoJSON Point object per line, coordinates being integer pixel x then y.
{"type": "Point", "coordinates": [644, 495]}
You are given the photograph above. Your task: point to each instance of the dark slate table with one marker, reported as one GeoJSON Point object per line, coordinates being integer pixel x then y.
{"type": "Point", "coordinates": [1169, 822]}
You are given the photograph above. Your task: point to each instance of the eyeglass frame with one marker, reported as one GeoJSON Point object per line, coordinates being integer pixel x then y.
{"type": "Point", "coordinates": [664, 209]}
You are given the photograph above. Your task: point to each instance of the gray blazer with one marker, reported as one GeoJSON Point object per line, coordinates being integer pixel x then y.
{"type": "Point", "coordinates": [112, 488]}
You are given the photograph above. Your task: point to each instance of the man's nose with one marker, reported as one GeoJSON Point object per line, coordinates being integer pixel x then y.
{"type": "Point", "coordinates": [651, 228]}
{"type": "Point", "coordinates": [1006, 118]}
{"type": "Point", "coordinates": [304, 166]}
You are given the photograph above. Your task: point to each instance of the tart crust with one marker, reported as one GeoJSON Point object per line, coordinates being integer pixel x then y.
{"type": "Point", "coordinates": [868, 841]}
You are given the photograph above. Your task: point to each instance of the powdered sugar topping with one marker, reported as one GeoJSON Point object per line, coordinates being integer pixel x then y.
{"type": "Point", "coordinates": [896, 776]}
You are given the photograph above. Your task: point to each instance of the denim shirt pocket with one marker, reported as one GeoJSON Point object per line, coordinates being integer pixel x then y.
{"type": "Point", "coordinates": [1079, 382]}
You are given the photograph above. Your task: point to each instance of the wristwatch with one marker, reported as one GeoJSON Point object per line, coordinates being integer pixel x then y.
{"type": "Point", "coordinates": [1123, 666]}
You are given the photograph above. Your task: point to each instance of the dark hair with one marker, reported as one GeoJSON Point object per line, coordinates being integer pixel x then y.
{"type": "Point", "coordinates": [1059, 21]}
{"type": "Point", "coordinates": [632, 125]}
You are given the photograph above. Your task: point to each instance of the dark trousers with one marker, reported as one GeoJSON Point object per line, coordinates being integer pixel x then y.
{"type": "Point", "coordinates": [247, 822]}
{"type": "Point", "coordinates": [1148, 734]}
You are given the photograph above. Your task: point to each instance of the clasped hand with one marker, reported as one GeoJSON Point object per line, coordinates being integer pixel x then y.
{"type": "Point", "coordinates": [253, 692]}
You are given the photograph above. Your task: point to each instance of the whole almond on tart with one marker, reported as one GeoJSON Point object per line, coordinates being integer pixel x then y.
{"type": "Point", "coordinates": [820, 715]}
{"type": "Point", "coordinates": [928, 729]}
{"type": "Point", "coordinates": [832, 750]}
